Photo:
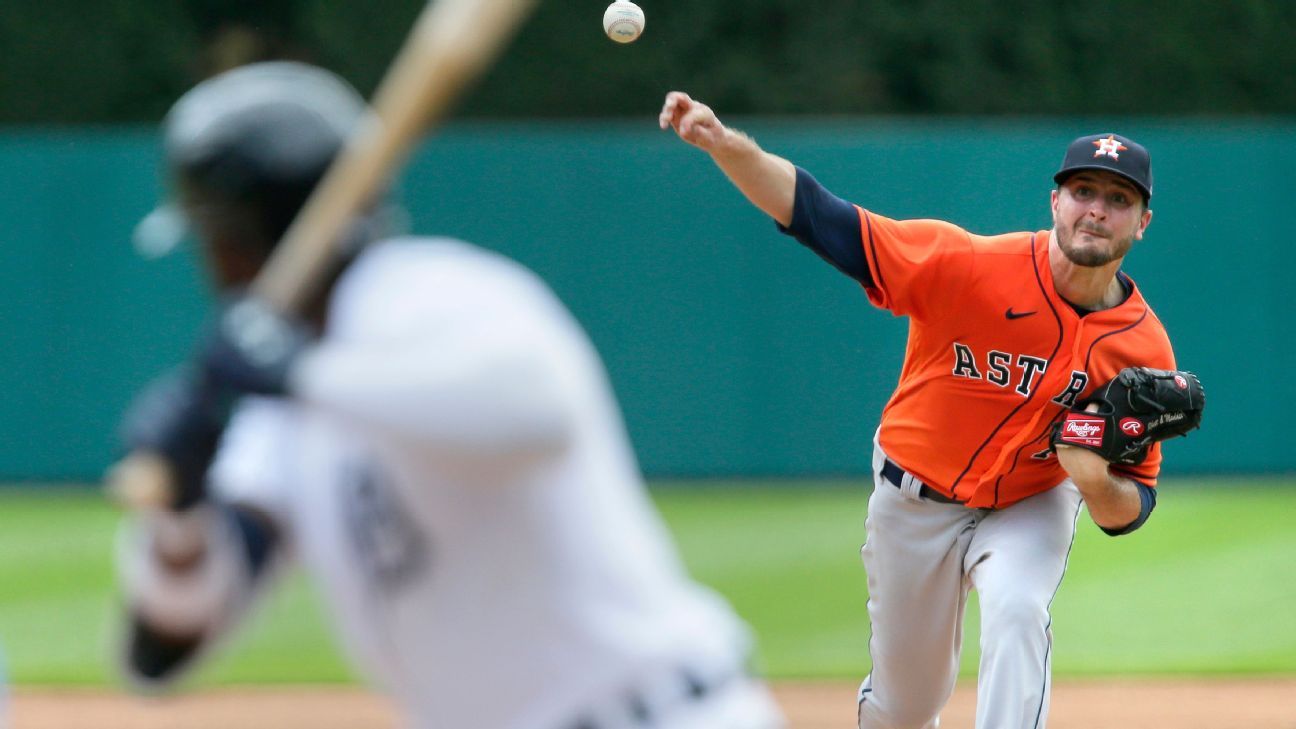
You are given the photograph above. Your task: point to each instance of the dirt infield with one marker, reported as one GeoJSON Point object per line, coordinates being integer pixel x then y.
{"type": "Point", "coordinates": [1134, 704]}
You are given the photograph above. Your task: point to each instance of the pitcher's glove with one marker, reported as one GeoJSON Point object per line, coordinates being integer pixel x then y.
{"type": "Point", "coordinates": [1139, 407]}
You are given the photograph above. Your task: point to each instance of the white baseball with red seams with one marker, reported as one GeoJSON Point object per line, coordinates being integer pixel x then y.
{"type": "Point", "coordinates": [623, 21]}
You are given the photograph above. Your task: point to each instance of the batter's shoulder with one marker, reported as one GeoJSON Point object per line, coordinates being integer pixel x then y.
{"type": "Point", "coordinates": [414, 282]}
{"type": "Point", "coordinates": [429, 265]}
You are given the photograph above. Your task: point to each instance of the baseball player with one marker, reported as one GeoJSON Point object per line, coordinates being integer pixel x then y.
{"type": "Point", "coordinates": [1013, 407]}
{"type": "Point", "coordinates": [435, 439]}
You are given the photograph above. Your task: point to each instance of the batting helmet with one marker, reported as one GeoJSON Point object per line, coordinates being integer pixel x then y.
{"type": "Point", "coordinates": [252, 141]}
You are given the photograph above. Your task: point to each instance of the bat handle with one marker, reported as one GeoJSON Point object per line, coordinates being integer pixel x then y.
{"type": "Point", "coordinates": [141, 480]}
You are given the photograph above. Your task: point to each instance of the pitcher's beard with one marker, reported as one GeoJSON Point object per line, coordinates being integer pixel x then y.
{"type": "Point", "coordinates": [1093, 257]}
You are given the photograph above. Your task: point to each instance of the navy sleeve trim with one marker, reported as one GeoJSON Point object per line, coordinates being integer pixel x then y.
{"type": "Point", "coordinates": [829, 226]}
{"type": "Point", "coordinates": [1147, 495]}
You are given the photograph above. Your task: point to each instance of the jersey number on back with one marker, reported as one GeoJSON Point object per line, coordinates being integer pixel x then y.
{"type": "Point", "coordinates": [388, 544]}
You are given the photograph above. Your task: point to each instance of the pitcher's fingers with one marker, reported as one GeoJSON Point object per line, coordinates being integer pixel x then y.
{"type": "Point", "coordinates": [676, 102]}
{"type": "Point", "coordinates": [694, 120]}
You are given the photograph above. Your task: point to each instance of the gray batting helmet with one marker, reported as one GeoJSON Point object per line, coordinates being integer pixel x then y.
{"type": "Point", "coordinates": [256, 138]}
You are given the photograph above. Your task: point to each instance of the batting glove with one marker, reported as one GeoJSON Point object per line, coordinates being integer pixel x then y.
{"type": "Point", "coordinates": [253, 348]}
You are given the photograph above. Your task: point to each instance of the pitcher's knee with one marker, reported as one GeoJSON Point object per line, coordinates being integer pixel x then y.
{"type": "Point", "coordinates": [1010, 612]}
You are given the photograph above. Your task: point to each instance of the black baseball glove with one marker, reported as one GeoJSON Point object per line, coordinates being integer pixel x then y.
{"type": "Point", "coordinates": [1139, 407]}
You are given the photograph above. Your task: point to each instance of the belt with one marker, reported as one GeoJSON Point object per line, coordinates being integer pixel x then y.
{"type": "Point", "coordinates": [645, 706]}
{"type": "Point", "coordinates": [895, 474]}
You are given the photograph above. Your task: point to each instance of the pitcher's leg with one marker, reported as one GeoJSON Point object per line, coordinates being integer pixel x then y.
{"type": "Point", "coordinates": [914, 558]}
{"type": "Point", "coordinates": [1016, 562]}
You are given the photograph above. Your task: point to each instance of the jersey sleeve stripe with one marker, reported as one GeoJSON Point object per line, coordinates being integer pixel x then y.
{"type": "Point", "coordinates": [870, 250]}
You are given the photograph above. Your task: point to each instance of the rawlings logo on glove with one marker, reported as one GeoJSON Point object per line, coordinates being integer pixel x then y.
{"type": "Point", "coordinates": [1086, 431]}
{"type": "Point", "coordinates": [1139, 407]}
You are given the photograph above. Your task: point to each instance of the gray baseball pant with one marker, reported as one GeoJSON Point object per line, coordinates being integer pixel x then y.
{"type": "Point", "coordinates": [922, 557]}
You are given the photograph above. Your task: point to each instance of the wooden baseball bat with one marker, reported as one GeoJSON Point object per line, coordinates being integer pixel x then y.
{"type": "Point", "coordinates": [451, 43]}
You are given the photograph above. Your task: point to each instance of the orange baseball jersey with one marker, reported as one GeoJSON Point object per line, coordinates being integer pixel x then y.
{"type": "Point", "coordinates": [995, 356]}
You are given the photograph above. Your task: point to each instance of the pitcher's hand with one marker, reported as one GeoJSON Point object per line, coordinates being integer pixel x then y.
{"type": "Point", "coordinates": [693, 121]}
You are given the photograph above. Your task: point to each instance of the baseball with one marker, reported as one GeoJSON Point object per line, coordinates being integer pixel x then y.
{"type": "Point", "coordinates": [623, 21]}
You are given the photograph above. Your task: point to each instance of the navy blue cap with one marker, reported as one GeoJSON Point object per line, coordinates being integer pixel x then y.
{"type": "Point", "coordinates": [1110, 152]}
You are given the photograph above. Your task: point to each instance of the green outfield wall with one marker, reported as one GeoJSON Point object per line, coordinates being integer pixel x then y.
{"type": "Point", "coordinates": [734, 350]}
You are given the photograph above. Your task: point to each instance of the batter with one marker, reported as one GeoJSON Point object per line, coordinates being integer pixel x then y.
{"type": "Point", "coordinates": [436, 440]}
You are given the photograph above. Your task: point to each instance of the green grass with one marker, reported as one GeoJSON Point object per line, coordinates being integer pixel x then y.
{"type": "Point", "coordinates": [788, 558]}
{"type": "Point", "coordinates": [1207, 587]}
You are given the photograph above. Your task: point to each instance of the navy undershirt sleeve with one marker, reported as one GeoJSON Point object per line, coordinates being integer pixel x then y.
{"type": "Point", "coordinates": [829, 226]}
{"type": "Point", "coordinates": [1147, 495]}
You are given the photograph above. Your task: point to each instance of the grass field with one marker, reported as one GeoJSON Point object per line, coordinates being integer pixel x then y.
{"type": "Point", "coordinates": [1206, 588]}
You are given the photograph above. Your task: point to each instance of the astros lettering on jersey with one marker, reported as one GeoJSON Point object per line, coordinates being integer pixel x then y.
{"type": "Point", "coordinates": [979, 392]}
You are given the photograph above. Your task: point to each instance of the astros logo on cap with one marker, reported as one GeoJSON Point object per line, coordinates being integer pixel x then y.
{"type": "Point", "coordinates": [1109, 147]}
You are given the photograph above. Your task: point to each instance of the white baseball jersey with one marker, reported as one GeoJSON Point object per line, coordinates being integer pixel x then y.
{"type": "Point", "coordinates": [454, 471]}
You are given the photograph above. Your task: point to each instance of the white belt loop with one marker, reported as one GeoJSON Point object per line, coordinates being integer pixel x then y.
{"type": "Point", "coordinates": [910, 487]}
